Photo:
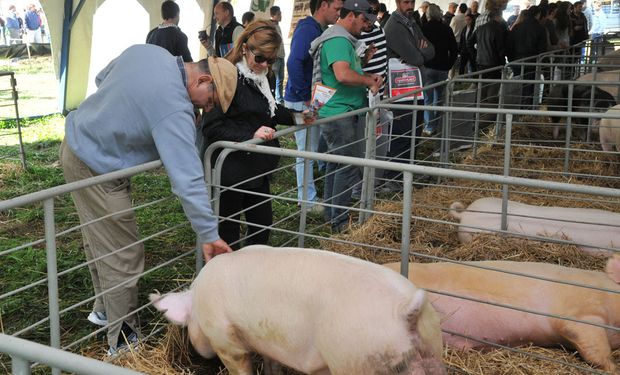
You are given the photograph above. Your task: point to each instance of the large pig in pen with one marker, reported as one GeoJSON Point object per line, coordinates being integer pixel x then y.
{"type": "Point", "coordinates": [434, 237]}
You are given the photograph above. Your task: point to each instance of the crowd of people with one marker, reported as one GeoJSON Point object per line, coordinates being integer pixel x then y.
{"type": "Point", "coordinates": [28, 26]}
{"type": "Point", "coordinates": [238, 94]}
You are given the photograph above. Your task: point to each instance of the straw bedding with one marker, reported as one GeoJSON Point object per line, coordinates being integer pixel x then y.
{"type": "Point", "coordinates": [378, 240]}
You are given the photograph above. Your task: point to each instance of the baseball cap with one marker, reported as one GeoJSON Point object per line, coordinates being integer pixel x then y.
{"type": "Point", "coordinates": [361, 6]}
{"type": "Point", "coordinates": [224, 75]}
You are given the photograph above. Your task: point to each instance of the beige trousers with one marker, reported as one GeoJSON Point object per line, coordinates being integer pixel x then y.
{"type": "Point", "coordinates": [106, 236]}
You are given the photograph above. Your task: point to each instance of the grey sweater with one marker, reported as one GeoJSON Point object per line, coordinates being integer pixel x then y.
{"type": "Point", "coordinates": [142, 112]}
{"type": "Point", "coordinates": [403, 37]}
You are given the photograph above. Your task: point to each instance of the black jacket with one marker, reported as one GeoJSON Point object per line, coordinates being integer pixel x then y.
{"type": "Point", "coordinates": [464, 49]}
{"type": "Point", "coordinates": [442, 38]}
{"type": "Point", "coordinates": [551, 34]}
{"type": "Point", "coordinates": [172, 39]}
{"type": "Point", "coordinates": [248, 111]}
{"type": "Point", "coordinates": [528, 38]}
{"type": "Point", "coordinates": [224, 37]}
{"type": "Point", "coordinates": [490, 41]}
{"type": "Point", "coordinates": [579, 28]}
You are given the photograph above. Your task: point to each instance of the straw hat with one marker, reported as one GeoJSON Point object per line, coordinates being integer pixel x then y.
{"type": "Point", "coordinates": [224, 75]}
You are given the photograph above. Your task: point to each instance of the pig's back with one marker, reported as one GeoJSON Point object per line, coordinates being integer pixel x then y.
{"type": "Point", "coordinates": [303, 303]}
{"type": "Point", "coordinates": [305, 271]}
{"type": "Point", "coordinates": [502, 325]}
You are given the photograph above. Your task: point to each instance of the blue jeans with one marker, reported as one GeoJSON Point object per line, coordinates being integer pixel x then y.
{"type": "Point", "coordinates": [300, 138]}
{"type": "Point", "coordinates": [343, 137]}
{"type": "Point", "coordinates": [434, 97]}
{"type": "Point", "coordinates": [278, 70]}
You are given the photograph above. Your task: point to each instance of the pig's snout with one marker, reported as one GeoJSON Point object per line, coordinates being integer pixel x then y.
{"type": "Point", "coordinates": [456, 210]}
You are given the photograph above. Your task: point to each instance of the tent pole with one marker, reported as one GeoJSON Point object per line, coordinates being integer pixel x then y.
{"type": "Point", "coordinates": [67, 24]}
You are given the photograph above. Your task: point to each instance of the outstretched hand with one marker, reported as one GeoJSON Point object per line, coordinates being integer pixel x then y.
{"type": "Point", "coordinates": [209, 250]}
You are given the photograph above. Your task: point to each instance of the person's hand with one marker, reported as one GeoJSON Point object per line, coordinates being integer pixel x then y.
{"type": "Point", "coordinates": [209, 250]}
{"type": "Point", "coordinates": [206, 43]}
{"type": "Point", "coordinates": [423, 43]}
{"type": "Point", "coordinates": [370, 52]}
{"type": "Point", "coordinates": [309, 116]}
{"type": "Point", "coordinates": [376, 83]}
{"type": "Point", "coordinates": [264, 132]}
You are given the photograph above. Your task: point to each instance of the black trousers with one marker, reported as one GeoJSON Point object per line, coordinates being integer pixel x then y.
{"type": "Point", "coordinates": [527, 92]}
{"type": "Point", "coordinates": [466, 60]}
{"type": "Point", "coordinates": [400, 147]}
{"type": "Point", "coordinates": [232, 202]}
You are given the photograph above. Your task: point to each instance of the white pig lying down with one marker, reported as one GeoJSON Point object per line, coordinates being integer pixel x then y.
{"type": "Point", "coordinates": [610, 131]}
{"type": "Point", "coordinates": [510, 327]}
{"type": "Point", "coordinates": [314, 311]}
{"type": "Point", "coordinates": [591, 230]}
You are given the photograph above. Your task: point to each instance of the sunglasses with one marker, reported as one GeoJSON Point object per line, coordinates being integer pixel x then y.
{"type": "Point", "coordinates": [259, 59]}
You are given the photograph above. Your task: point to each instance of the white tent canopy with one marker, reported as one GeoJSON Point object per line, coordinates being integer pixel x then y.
{"type": "Point", "coordinates": [86, 34]}
{"type": "Point", "coordinates": [96, 31]}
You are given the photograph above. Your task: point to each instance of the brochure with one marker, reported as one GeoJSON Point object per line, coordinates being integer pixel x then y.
{"type": "Point", "coordinates": [321, 94]}
{"type": "Point", "coordinates": [404, 78]}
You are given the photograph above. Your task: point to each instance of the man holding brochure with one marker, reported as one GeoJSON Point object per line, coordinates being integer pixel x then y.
{"type": "Point", "coordinates": [406, 43]}
{"type": "Point", "coordinates": [337, 64]}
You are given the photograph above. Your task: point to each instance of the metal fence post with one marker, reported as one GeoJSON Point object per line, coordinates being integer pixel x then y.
{"type": "Point", "coordinates": [406, 227]}
{"type": "Point", "coordinates": [537, 85]}
{"type": "Point", "coordinates": [52, 275]}
{"type": "Point", "coordinates": [20, 366]}
{"type": "Point", "coordinates": [500, 104]}
{"type": "Point", "coordinates": [368, 179]}
{"type": "Point", "coordinates": [589, 131]}
{"type": "Point", "coordinates": [446, 125]}
{"type": "Point", "coordinates": [414, 121]}
{"type": "Point", "coordinates": [569, 125]}
{"type": "Point", "coordinates": [505, 188]}
{"type": "Point", "coordinates": [477, 119]}
{"type": "Point", "coordinates": [22, 151]}
{"type": "Point", "coordinates": [303, 216]}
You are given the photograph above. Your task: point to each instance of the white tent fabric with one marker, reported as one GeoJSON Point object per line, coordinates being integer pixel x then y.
{"type": "Point", "coordinates": [127, 22]}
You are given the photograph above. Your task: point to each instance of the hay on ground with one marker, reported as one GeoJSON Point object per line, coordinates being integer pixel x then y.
{"type": "Point", "coordinates": [172, 356]}
{"type": "Point", "coordinates": [430, 238]}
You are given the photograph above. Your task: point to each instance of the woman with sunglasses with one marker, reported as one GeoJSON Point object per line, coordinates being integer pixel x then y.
{"type": "Point", "coordinates": [253, 113]}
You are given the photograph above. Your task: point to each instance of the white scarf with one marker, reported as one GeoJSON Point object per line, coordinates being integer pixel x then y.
{"type": "Point", "coordinates": [260, 80]}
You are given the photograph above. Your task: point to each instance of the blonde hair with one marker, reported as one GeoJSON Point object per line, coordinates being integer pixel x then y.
{"type": "Point", "coordinates": [261, 37]}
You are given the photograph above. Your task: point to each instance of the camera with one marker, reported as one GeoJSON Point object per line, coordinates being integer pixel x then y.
{"type": "Point", "coordinates": [202, 35]}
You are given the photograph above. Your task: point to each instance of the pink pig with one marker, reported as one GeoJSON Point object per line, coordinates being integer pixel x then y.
{"type": "Point", "coordinates": [314, 311]}
{"type": "Point", "coordinates": [589, 228]}
{"type": "Point", "coordinates": [509, 327]}
{"type": "Point", "coordinates": [609, 131]}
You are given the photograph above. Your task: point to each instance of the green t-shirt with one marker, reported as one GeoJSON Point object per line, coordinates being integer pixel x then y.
{"type": "Point", "coordinates": [347, 97]}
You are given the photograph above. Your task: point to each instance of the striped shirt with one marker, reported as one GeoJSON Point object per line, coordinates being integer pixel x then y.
{"type": "Point", "coordinates": [378, 63]}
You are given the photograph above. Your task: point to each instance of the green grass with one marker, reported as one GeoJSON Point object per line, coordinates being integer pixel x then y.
{"type": "Point", "coordinates": [36, 85]}
{"type": "Point", "coordinates": [42, 138]}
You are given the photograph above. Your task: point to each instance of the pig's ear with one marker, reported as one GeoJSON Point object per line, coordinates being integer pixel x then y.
{"type": "Point", "coordinates": [613, 268]}
{"type": "Point", "coordinates": [176, 307]}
